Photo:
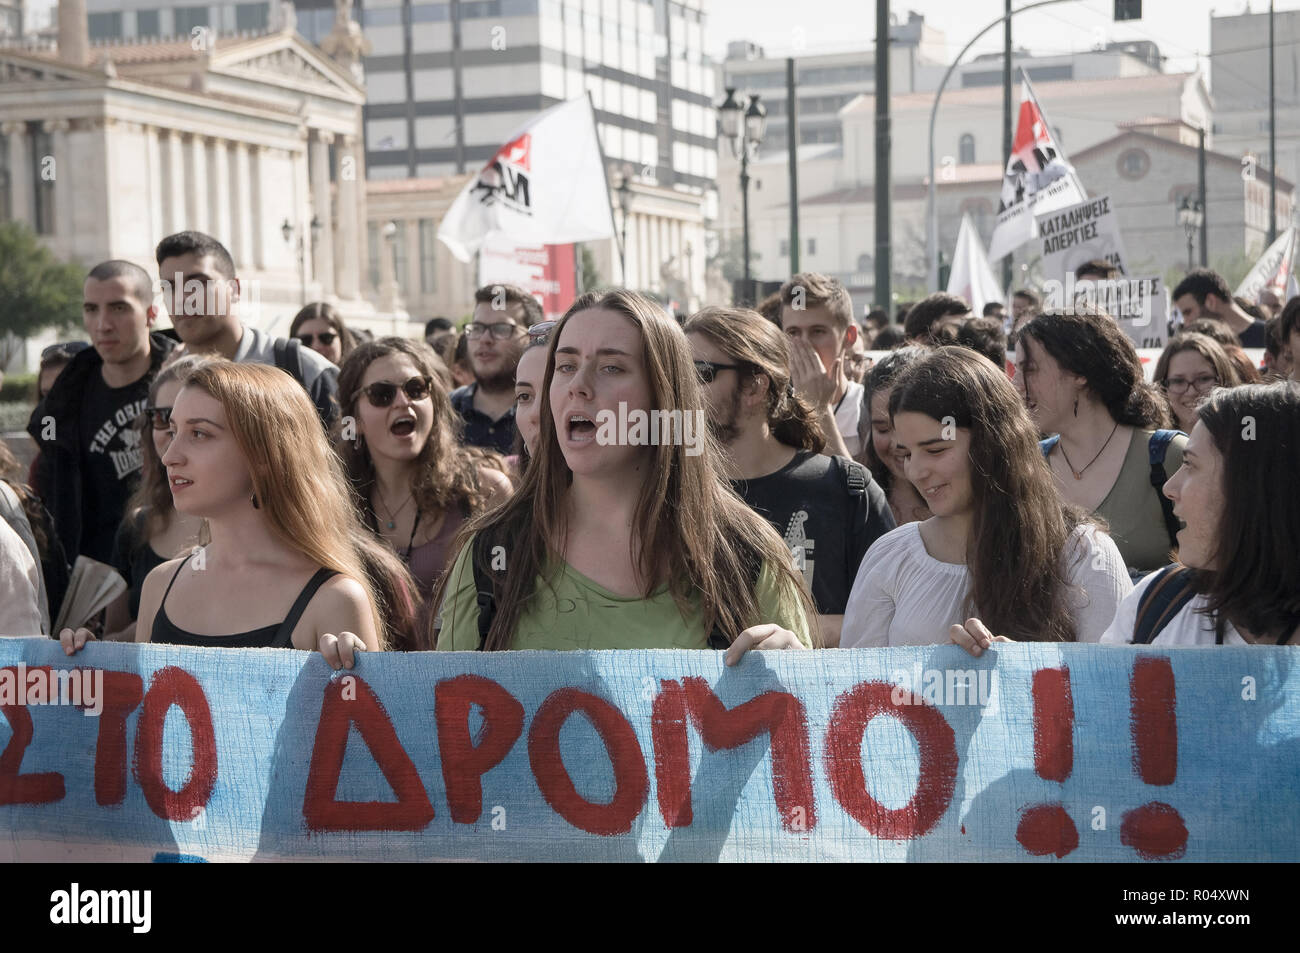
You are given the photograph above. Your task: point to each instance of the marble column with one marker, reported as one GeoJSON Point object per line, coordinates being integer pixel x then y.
{"type": "Point", "coordinates": [323, 248]}
{"type": "Point", "coordinates": [219, 190]}
{"type": "Point", "coordinates": [196, 195]}
{"type": "Point", "coordinates": [174, 201]}
{"type": "Point", "coordinates": [410, 282]}
{"type": "Point", "coordinates": [154, 155]}
{"type": "Point", "coordinates": [348, 263]}
{"type": "Point", "coordinates": [256, 228]}
{"type": "Point", "coordinates": [22, 185]}
{"type": "Point", "coordinates": [241, 208]}
{"type": "Point", "coordinates": [62, 178]}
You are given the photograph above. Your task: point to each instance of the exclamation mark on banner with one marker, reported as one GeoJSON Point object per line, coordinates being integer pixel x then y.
{"type": "Point", "coordinates": [1047, 828]}
{"type": "Point", "coordinates": [1155, 830]}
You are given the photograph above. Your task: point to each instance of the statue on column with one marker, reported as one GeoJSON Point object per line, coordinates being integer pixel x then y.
{"type": "Point", "coordinates": [345, 44]}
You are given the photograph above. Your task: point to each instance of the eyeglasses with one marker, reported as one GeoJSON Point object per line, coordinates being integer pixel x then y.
{"type": "Point", "coordinates": [1203, 383]}
{"type": "Point", "coordinates": [381, 393]}
{"type": "Point", "coordinates": [326, 338]}
{"type": "Point", "coordinates": [502, 332]}
{"type": "Point", "coordinates": [540, 333]}
{"type": "Point", "coordinates": [708, 370]}
{"type": "Point", "coordinates": [159, 417]}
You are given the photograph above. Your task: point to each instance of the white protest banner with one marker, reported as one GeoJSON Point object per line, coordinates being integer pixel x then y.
{"type": "Point", "coordinates": [545, 186]}
{"type": "Point", "coordinates": [1078, 234]}
{"type": "Point", "coordinates": [1272, 272]}
{"type": "Point", "coordinates": [971, 276]}
{"type": "Point", "coordinates": [1038, 179]}
{"type": "Point", "coordinates": [1140, 305]}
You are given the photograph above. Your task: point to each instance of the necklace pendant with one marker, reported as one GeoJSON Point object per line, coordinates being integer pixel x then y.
{"type": "Point", "coordinates": [1077, 476]}
{"type": "Point", "coordinates": [392, 525]}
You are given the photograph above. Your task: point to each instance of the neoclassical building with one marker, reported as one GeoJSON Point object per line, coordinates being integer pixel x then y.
{"type": "Point", "coordinates": [256, 140]}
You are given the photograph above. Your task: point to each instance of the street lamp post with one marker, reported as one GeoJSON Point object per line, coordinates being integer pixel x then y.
{"type": "Point", "coordinates": [625, 203]}
{"type": "Point", "coordinates": [289, 231]}
{"type": "Point", "coordinates": [743, 128]}
{"type": "Point", "coordinates": [1191, 216]}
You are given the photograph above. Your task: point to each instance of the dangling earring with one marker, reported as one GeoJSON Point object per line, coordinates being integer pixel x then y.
{"type": "Point", "coordinates": [1076, 407]}
{"type": "Point", "coordinates": [253, 497]}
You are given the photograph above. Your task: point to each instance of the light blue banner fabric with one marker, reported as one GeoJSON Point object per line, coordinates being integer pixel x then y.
{"type": "Point", "coordinates": [1032, 753]}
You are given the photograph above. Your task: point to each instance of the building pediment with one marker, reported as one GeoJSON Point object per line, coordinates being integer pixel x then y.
{"type": "Point", "coordinates": [18, 67]}
{"type": "Point", "coordinates": [285, 60]}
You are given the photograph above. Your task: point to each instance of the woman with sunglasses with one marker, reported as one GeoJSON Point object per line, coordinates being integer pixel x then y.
{"type": "Point", "coordinates": [398, 439]}
{"type": "Point", "coordinates": [1190, 366]}
{"type": "Point", "coordinates": [617, 541]}
{"type": "Point", "coordinates": [319, 327]}
{"type": "Point", "coordinates": [528, 380]}
{"type": "Point", "coordinates": [248, 456]}
{"type": "Point", "coordinates": [152, 530]}
{"type": "Point", "coordinates": [1002, 553]}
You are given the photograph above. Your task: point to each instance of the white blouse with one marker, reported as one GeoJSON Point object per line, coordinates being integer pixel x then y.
{"type": "Point", "coordinates": [1189, 627]}
{"type": "Point", "coordinates": [904, 596]}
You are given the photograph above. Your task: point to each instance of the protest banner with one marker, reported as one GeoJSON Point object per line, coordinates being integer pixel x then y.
{"type": "Point", "coordinates": [1140, 305]}
{"type": "Point", "coordinates": [1080, 233]}
{"type": "Point", "coordinates": [545, 186]}
{"type": "Point", "coordinates": [1275, 270]}
{"type": "Point", "coordinates": [544, 271]}
{"type": "Point", "coordinates": [1038, 178]}
{"type": "Point", "coordinates": [1031, 752]}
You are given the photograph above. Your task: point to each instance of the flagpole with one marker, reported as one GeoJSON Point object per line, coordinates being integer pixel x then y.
{"type": "Point", "coordinates": [604, 170]}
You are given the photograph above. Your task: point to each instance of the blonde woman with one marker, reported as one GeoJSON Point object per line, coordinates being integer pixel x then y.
{"type": "Point", "coordinates": [248, 456]}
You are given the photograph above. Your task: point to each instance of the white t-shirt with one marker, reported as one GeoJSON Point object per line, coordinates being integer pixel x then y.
{"type": "Point", "coordinates": [904, 596]}
{"type": "Point", "coordinates": [1188, 627]}
{"type": "Point", "coordinates": [846, 417]}
{"type": "Point", "coordinates": [20, 579]}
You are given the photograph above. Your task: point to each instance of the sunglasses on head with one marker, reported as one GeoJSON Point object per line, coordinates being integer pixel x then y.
{"type": "Point", "coordinates": [64, 349]}
{"type": "Point", "coordinates": [326, 338]}
{"type": "Point", "coordinates": [381, 393]}
{"type": "Point", "coordinates": [158, 417]}
{"type": "Point", "coordinates": [708, 370]}
{"type": "Point", "coordinates": [540, 333]}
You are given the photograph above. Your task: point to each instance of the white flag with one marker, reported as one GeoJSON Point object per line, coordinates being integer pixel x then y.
{"type": "Point", "coordinates": [1273, 270]}
{"type": "Point", "coordinates": [545, 186]}
{"type": "Point", "coordinates": [971, 276]}
{"type": "Point", "coordinates": [1038, 178]}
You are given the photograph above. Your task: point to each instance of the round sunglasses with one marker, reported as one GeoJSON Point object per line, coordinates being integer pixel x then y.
{"type": "Point", "coordinates": [382, 393]}
{"type": "Point", "coordinates": [326, 338]}
{"type": "Point", "coordinates": [158, 417]}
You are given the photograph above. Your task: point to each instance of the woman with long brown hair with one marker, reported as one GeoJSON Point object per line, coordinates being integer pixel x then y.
{"type": "Point", "coordinates": [398, 439]}
{"type": "Point", "coordinates": [876, 430]}
{"type": "Point", "coordinates": [1190, 366]}
{"type": "Point", "coordinates": [248, 455]}
{"type": "Point", "coordinates": [1002, 548]}
{"type": "Point", "coordinates": [612, 540]}
{"type": "Point", "coordinates": [1238, 580]}
{"type": "Point", "coordinates": [152, 531]}
{"type": "Point", "coordinates": [1083, 382]}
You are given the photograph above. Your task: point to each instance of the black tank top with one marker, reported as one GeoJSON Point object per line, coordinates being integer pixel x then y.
{"type": "Point", "coordinates": [268, 637]}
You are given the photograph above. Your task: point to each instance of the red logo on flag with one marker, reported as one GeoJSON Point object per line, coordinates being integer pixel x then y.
{"type": "Point", "coordinates": [515, 153]}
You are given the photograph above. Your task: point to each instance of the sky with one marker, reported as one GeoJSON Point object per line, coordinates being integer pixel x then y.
{"type": "Point", "coordinates": [1181, 28]}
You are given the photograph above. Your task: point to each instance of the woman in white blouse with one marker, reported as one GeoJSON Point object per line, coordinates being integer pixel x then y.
{"type": "Point", "coordinates": [1003, 557]}
{"type": "Point", "coordinates": [1239, 578]}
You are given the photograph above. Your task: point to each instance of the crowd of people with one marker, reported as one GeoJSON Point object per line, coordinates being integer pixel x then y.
{"type": "Point", "coordinates": [470, 491]}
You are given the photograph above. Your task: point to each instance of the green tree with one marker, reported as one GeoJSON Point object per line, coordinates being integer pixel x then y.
{"type": "Point", "coordinates": [37, 291]}
{"type": "Point", "coordinates": [591, 279]}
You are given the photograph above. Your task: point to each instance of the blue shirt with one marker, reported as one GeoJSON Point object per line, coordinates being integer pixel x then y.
{"type": "Point", "coordinates": [480, 429]}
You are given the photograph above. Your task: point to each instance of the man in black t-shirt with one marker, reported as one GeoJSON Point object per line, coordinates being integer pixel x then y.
{"type": "Point", "coordinates": [827, 509]}
{"type": "Point", "coordinates": [90, 448]}
{"type": "Point", "coordinates": [1205, 294]}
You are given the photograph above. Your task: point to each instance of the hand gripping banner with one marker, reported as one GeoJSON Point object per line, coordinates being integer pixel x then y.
{"type": "Point", "coordinates": [1033, 752]}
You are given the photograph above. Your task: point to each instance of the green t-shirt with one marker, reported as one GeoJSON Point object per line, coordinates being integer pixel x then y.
{"type": "Point", "coordinates": [579, 614]}
{"type": "Point", "coordinates": [1132, 507]}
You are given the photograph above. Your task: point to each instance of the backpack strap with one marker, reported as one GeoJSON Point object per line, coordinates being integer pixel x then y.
{"type": "Point", "coordinates": [1048, 445]}
{"type": "Point", "coordinates": [1157, 447]}
{"type": "Point", "coordinates": [1171, 589]}
{"type": "Point", "coordinates": [853, 474]}
{"type": "Point", "coordinates": [288, 356]}
{"type": "Point", "coordinates": [487, 601]}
